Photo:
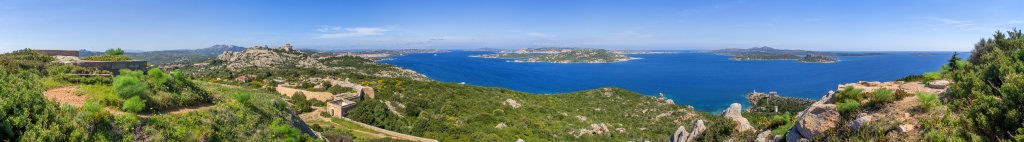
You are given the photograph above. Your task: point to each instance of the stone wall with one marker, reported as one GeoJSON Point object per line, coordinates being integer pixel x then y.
{"type": "Point", "coordinates": [73, 53]}
{"type": "Point", "coordinates": [114, 66]}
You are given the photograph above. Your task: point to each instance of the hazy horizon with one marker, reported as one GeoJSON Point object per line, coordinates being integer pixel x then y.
{"type": "Point", "coordinates": [631, 25]}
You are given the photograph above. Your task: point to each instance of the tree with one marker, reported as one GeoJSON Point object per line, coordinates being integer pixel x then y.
{"type": "Point", "coordinates": [300, 103]}
{"type": "Point", "coordinates": [115, 51]}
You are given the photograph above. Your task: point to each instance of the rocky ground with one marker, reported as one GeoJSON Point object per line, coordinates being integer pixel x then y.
{"type": "Point", "coordinates": [822, 117]}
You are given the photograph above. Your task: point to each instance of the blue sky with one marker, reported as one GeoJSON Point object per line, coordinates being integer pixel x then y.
{"type": "Point", "coordinates": [862, 25]}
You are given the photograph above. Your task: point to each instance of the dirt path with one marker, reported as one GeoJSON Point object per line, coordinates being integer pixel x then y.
{"type": "Point", "coordinates": [66, 95]}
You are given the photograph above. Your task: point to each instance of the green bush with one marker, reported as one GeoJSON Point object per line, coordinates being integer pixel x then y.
{"type": "Point", "coordinates": [157, 78]}
{"type": "Point", "coordinates": [883, 96]}
{"type": "Point", "coordinates": [300, 103]}
{"type": "Point", "coordinates": [338, 89]}
{"type": "Point", "coordinates": [134, 105]}
{"type": "Point", "coordinates": [850, 92]}
{"type": "Point", "coordinates": [931, 76]}
{"type": "Point", "coordinates": [286, 132]}
{"type": "Point", "coordinates": [242, 97]}
{"type": "Point", "coordinates": [847, 106]}
{"type": "Point", "coordinates": [927, 100]}
{"type": "Point", "coordinates": [115, 51]}
{"type": "Point", "coordinates": [127, 86]}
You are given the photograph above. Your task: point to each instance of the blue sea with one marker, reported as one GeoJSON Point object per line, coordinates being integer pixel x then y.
{"type": "Point", "coordinates": [708, 82]}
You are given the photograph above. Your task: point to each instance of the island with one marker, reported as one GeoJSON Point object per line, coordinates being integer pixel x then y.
{"type": "Point", "coordinates": [768, 53]}
{"type": "Point", "coordinates": [560, 55]}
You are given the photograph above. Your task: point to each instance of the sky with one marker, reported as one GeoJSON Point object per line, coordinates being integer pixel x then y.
{"type": "Point", "coordinates": [828, 25]}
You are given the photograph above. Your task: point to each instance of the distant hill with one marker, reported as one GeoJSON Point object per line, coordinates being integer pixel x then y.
{"type": "Point", "coordinates": [168, 56]}
{"type": "Point", "coordinates": [768, 53]}
{"type": "Point", "coordinates": [560, 55]}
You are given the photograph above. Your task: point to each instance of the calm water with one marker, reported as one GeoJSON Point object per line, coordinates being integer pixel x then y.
{"type": "Point", "coordinates": [706, 81]}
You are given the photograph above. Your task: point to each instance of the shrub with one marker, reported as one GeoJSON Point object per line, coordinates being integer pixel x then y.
{"type": "Point", "coordinates": [134, 105]}
{"type": "Point", "coordinates": [157, 78]}
{"type": "Point", "coordinates": [338, 89]}
{"type": "Point", "coordinates": [847, 106]}
{"type": "Point", "coordinates": [927, 100]}
{"type": "Point", "coordinates": [242, 97]}
{"type": "Point", "coordinates": [300, 103]}
{"type": "Point", "coordinates": [931, 76]}
{"type": "Point", "coordinates": [286, 132]}
{"type": "Point", "coordinates": [913, 77]}
{"type": "Point", "coordinates": [115, 51]}
{"type": "Point", "coordinates": [129, 86]}
{"type": "Point", "coordinates": [882, 96]}
{"type": "Point", "coordinates": [850, 93]}
{"type": "Point", "coordinates": [128, 72]}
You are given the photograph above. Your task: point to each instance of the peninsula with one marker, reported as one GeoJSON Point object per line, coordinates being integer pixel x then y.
{"type": "Point", "coordinates": [768, 53]}
{"type": "Point", "coordinates": [560, 55]}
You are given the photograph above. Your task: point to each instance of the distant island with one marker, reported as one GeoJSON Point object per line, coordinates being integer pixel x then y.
{"type": "Point", "coordinates": [768, 53]}
{"type": "Point", "coordinates": [561, 55]}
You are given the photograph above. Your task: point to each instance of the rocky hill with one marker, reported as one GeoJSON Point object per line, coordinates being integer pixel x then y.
{"type": "Point", "coordinates": [261, 66]}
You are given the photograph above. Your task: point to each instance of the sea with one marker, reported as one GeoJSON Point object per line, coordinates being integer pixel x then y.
{"type": "Point", "coordinates": [708, 82]}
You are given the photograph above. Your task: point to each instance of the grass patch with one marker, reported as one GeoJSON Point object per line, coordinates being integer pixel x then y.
{"type": "Point", "coordinates": [51, 82]}
{"type": "Point", "coordinates": [102, 94]}
{"type": "Point", "coordinates": [927, 100]}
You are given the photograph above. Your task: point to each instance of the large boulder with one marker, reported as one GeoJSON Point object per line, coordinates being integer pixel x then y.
{"type": "Point", "coordinates": [681, 135]}
{"type": "Point", "coordinates": [734, 113]}
{"type": "Point", "coordinates": [814, 121]}
{"type": "Point", "coordinates": [765, 136]}
{"type": "Point", "coordinates": [862, 119]}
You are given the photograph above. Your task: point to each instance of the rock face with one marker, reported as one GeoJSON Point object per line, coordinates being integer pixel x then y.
{"type": "Point", "coordinates": [734, 113]}
{"type": "Point", "coordinates": [681, 135]}
{"type": "Point", "coordinates": [267, 58]}
{"type": "Point", "coordinates": [938, 84]}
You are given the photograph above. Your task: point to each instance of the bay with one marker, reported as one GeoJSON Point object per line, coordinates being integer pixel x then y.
{"type": "Point", "coordinates": [708, 82]}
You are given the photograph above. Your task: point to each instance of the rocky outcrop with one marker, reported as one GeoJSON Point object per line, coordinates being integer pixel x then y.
{"type": "Point", "coordinates": [501, 125]}
{"type": "Point", "coordinates": [734, 113]}
{"type": "Point", "coordinates": [681, 135]}
{"type": "Point", "coordinates": [938, 84]}
{"type": "Point", "coordinates": [595, 129]}
{"type": "Point", "coordinates": [512, 103]}
{"type": "Point", "coordinates": [765, 136]}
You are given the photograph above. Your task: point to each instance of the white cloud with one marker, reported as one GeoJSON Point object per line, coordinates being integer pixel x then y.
{"type": "Point", "coordinates": [328, 29]}
{"type": "Point", "coordinates": [331, 32]}
{"type": "Point", "coordinates": [952, 21]}
{"type": "Point", "coordinates": [537, 34]}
